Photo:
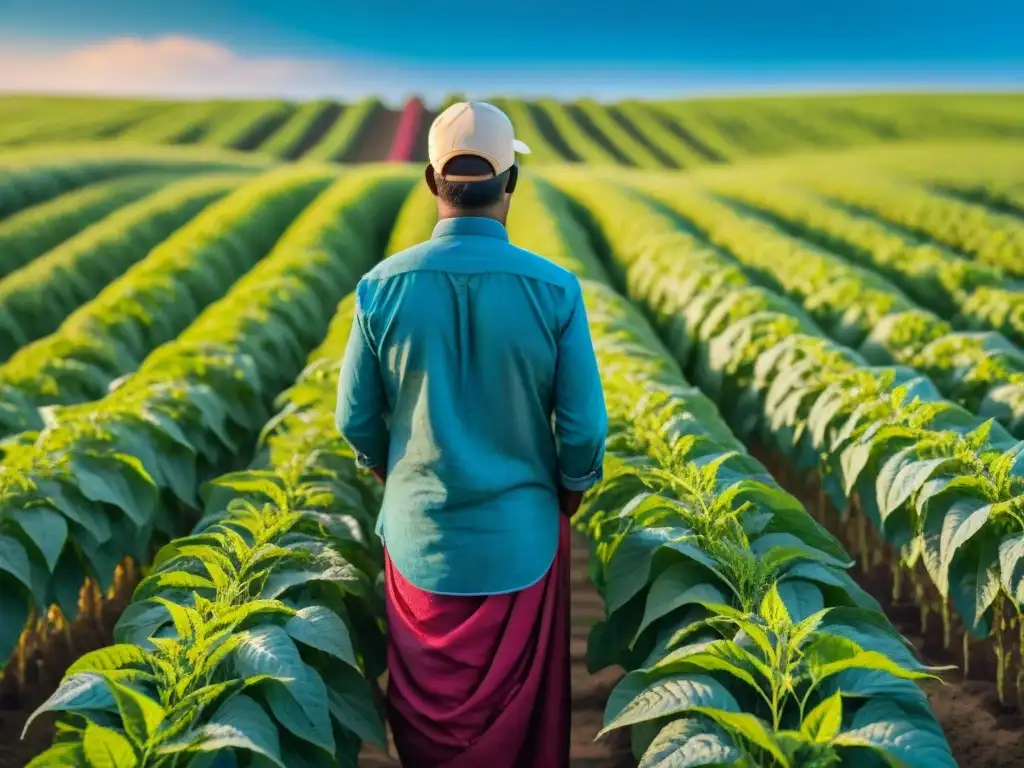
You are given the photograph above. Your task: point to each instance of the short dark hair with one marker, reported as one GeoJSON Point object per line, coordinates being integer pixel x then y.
{"type": "Point", "coordinates": [468, 195]}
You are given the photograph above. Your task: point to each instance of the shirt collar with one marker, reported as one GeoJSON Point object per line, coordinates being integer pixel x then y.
{"type": "Point", "coordinates": [470, 225]}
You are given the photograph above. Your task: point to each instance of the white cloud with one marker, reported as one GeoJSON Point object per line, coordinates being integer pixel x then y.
{"type": "Point", "coordinates": [172, 66]}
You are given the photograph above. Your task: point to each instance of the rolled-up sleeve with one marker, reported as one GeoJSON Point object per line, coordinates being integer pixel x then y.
{"type": "Point", "coordinates": [581, 420]}
{"type": "Point", "coordinates": [362, 403]}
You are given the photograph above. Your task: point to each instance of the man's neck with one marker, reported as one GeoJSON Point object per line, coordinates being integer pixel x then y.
{"type": "Point", "coordinates": [455, 213]}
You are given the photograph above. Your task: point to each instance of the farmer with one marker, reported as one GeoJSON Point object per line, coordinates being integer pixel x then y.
{"type": "Point", "coordinates": [463, 349]}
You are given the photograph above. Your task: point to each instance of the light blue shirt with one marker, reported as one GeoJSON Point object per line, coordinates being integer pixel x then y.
{"type": "Point", "coordinates": [470, 376]}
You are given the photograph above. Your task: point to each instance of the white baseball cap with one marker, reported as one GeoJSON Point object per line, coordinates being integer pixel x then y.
{"type": "Point", "coordinates": [473, 128]}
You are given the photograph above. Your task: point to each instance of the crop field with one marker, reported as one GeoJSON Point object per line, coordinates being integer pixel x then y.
{"type": "Point", "coordinates": [808, 548]}
{"type": "Point", "coordinates": [632, 134]}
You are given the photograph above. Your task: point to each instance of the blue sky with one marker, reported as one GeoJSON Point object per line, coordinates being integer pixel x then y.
{"type": "Point", "coordinates": [604, 48]}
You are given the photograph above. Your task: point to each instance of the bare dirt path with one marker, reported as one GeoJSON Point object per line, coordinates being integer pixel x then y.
{"type": "Point", "coordinates": [375, 140]}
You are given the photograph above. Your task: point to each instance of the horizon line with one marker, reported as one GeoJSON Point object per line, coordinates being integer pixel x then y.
{"type": "Point", "coordinates": [708, 92]}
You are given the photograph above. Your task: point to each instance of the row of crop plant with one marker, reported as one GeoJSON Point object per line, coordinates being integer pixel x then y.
{"type": "Point", "coordinates": [259, 633]}
{"type": "Point", "coordinates": [942, 486]}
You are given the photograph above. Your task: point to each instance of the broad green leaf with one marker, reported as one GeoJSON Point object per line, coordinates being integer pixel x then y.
{"type": "Point", "coordinates": [321, 628]}
{"type": "Point", "coordinates": [866, 684]}
{"type": "Point", "coordinates": [61, 754]}
{"type": "Point", "coordinates": [987, 580]}
{"type": "Point", "coordinates": [117, 482]}
{"type": "Point", "coordinates": [828, 655]}
{"type": "Point", "coordinates": [907, 740]}
{"type": "Point", "coordinates": [822, 723]}
{"type": "Point", "coordinates": [47, 529]}
{"type": "Point", "coordinates": [225, 759]}
{"type": "Point", "coordinates": [69, 502]}
{"type": "Point", "coordinates": [14, 560]}
{"type": "Point", "coordinates": [777, 549]}
{"type": "Point", "coordinates": [239, 724]}
{"type": "Point", "coordinates": [80, 694]}
{"type": "Point", "coordinates": [901, 476]}
{"type": "Point", "coordinates": [832, 577]}
{"type": "Point", "coordinates": [670, 696]}
{"type": "Point", "coordinates": [678, 585]}
{"type": "Point", "coordinates": [801, 598]}
{"type": "Point", "coordinates": [107, 748]}
{"type": "Point", "coordinates": [346, 576]}
{"type": "Point", "coordinates": [301, 705]}
{"type": "Point", "coordinates": [139, 622]}
{"type": "Point", "coordinates": [757, 634]}
{"type": "Point", "coordinates": [853, 460]}
{"type": "Point", "coordinates": [298, 697]}
{"type": "Point", "coordinates": [1011, 566]}
{"type": "Point", "coordinates": [688, 743]}
{"type": "Point", "coordinates": [871, 631]}
{"type": "Point", "coordinates": [140, 714]}
{"type": "Point", "coordinates": [153, 585]}
{"type": "Point", "coordinates": [789, 516]}
{"type": "Point", "coordinates": [630, 566]}
{"type": "Point", "coordinates": [715, 656]}
{"type": "Point", "coordinates": [751, 728]}
{"type": "Point", "coordinates": [257, 483]}
{"type": "Point", "coordinates": [963, 520]}
{"type": "Point", "coordinates": [352, 705]}
{"type": "Point", "coordinates": [773, 610]}
{"type": "Point", "coordinates": [112, 657]}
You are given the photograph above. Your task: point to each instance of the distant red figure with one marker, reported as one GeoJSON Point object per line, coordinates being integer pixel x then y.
{"type": "Point", "coordinates": [409, 126]}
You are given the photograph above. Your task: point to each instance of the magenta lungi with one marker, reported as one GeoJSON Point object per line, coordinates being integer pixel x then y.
{"type": "Point", "coordinates": [481, 682]}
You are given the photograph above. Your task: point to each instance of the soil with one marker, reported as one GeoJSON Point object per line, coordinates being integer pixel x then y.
{"type": "Point", "coordinates": [420, 151]}
{"type": "Point", "coordinates": [375, 139]}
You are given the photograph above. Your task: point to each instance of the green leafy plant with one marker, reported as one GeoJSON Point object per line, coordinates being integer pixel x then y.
{"type": "Point", "coordinates": [255, 639]}
{"type": "Point", "coordinates": [35, 299]}
{"type": "Point", "coordinates": [728, 603]}
{"type": "Point", "coordinates": [104, 480]}
{"type": "Point", "coordinates": [155, 300]}
{"type": "Point", "coordinates": [822, 408]}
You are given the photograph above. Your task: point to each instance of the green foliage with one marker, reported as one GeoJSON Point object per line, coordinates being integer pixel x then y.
{"type": "Point", "coordinates": [745, 639]}
{"type": "Point", "coordinates": [824, 409]}
{"type": "Point", "coordinates": [308, 120]}
{"type": "Point", "coordinates": [261, 631]}
{"type": "Point", "coordinates": [248, 635]}
{"type": "Point", "coordinates": [339, 141]}
{"type": "Point", "coordinates": [990, 237]}
{"type": "Point", "coordinates": [32, 177]}
{"type": "Point", "coordinates": [246, 126]}
{"type": "Point", "coordinates": [124, 471]}
{"type": "Point", "coordinates": [36, 230]}
{"type": "Point", "coordinates": [155, 300]}
{"type": "Point", "coordinates": [35, 299]}
{"type": "Point", "coordinates": [253, 636]}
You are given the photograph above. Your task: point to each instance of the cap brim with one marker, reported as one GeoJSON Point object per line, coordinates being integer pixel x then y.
{"type": "Point", "coordinates": [521, 148]}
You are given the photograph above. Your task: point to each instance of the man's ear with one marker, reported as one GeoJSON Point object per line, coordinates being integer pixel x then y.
{"type": "Point", "coordinates": [513, 179]}
{"type": "Point", "coordinates": [431, 181]}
